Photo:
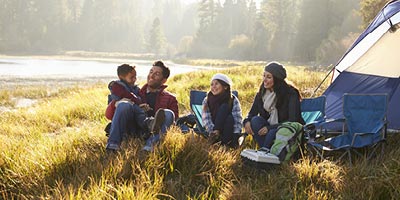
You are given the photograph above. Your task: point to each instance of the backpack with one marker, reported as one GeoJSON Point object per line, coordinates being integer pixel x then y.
{"type": "Point", "coordinates": [186, 122]}
{"type": "Point", "coordinates": [289, 139]}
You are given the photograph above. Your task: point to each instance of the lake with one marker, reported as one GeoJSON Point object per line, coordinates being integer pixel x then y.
{"type": "Point", "coordinates": [17, 71]}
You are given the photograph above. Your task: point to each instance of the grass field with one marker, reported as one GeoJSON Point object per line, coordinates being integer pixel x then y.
{"type": "Point", "coordinates": [55, 150]}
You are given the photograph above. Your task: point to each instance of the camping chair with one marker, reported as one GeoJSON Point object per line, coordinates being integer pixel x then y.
{"type": "Point", "coordinates": [196, 105]}
{"type": "Point", "coordinates": [313, 109]}
{"type": "Point", "coordinates": [313, 113]}
{"type": "Point", "coordinates": [365, 118]}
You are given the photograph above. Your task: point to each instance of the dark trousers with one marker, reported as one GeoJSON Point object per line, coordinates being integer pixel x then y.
{"type": "Point", "coordinates": [128, 120]}
{"type": "Point", "coordinates": [224, 123]}
{"type": "Point", "coordinates": [267, 140]}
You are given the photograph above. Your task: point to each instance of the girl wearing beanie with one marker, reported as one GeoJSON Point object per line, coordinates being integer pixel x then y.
{"type": "Point", "coordinates": [276, 102]}
{"type": "Point", "coordinates": [222, 115]}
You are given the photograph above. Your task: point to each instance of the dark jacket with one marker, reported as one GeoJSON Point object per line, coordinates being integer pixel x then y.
{"type": "Point", "coordinates": [164, 99]}
{"type": "Point", "coordinates": [289, 111]}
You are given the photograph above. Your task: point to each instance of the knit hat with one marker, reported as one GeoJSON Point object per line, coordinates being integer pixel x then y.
{"type": "Point", "coordinates": [276, 69]}
{"type": "Point", "coordinates": [223, 78]}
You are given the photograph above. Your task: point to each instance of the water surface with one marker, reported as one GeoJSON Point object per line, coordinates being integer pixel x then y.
{"type": "Point", "coordinates": [17, 71]}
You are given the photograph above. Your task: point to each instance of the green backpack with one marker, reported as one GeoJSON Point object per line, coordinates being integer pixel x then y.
{"type": "Point", "coordinates": [289, 139]}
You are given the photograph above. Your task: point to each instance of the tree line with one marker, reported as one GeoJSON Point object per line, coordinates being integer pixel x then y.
{"type": "Point", "coordinates": [316, 31]}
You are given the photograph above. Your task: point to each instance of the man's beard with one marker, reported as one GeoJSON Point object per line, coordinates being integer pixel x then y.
{"type": "Point", "coordinates": [155, 86]}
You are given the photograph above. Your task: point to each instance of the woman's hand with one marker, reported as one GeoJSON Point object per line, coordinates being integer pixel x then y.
{"type": "Point", "coordinates": [215, 136]}
{"type": "Point", "coordinates": [263, 131]}
{"type": "Point", "coordinates": [247, 128]}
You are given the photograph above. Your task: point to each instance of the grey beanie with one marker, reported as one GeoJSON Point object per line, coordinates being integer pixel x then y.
{"type": "Point", "coordinates": [276, 69]}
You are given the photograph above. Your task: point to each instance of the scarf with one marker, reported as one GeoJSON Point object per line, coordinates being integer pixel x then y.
{"type": "Point", "coordinates": [214, 101]}
{"type": "Point", "coordinates": [269, 100]}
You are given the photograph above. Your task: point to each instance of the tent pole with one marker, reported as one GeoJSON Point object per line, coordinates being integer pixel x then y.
{"type": "Point", "coordinates": [329, 72]}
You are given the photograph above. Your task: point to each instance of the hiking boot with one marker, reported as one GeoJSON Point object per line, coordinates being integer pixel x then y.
{"type": "Point", "coordinates": [107, 129]}
{"type": "Point", "coordinates": [153, 124]}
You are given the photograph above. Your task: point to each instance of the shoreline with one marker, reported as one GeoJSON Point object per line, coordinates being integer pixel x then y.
{"type": "Point", "coordinates": [68, 58]}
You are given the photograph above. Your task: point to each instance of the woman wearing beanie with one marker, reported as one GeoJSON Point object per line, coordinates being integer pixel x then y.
{"type": "Point", "coordinates": [222, 115]}
{"type": "Point", "coordinates": [276, 102]}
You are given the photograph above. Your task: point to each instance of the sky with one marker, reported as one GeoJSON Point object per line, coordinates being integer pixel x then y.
{"type": "Point", "coordinates": [189, 1]}
{"type": "Point", "coordinates": [222, 1]}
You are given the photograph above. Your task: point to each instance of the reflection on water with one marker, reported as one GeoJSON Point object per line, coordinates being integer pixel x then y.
{"type": "Point", "coordinates": [17, 71]}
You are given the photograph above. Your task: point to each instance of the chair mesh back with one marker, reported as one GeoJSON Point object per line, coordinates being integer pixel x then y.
{"type": "Point", "coordinates": [364, 113]}
{"type": "Point", "coordinates": [196, 101]}
{"type": "Point", "coordinates": [196, 104]}
{"type": "Point", "coordinates": [313, 109]}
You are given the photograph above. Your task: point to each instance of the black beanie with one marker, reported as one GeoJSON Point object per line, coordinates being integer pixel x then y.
{"type": "Point", "coordinates": [276, 69]}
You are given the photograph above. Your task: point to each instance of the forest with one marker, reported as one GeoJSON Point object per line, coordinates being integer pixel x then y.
{"type": "Point", "coordinates": [301, 31]}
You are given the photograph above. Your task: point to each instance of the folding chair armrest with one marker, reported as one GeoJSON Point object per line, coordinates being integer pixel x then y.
{"type": "Point", "coordinates": [322, 126]}
{"type": "Point", "coordinates": [322, 122]}
{"type": "Point", "coordinates": [335, 120]}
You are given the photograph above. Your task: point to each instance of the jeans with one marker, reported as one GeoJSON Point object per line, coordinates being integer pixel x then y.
{"type": "Point", "coordinates": [128, 119]}
{"type": "Point", "coordinates": [169, 120]}
{"type": "Point", "coordinates": [267, 140]}
{"type": "Point", "coordinates": [224, 123]}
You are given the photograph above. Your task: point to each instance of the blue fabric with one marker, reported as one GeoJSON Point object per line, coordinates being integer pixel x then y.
{"type": "Point", "coordinates": [196, 100]}
{"type": "Point", "coordinates": [355, 83]}
{"type": "Point", "coordinates": [348, 82]}
{"type": "Point", "coordinates": [313, 109]}
{"type": "Point", "coordinates": [224, 123]}
{"type": "Point", "coordinates": [365, 115]}
{"type": "Point", "coordinates": [267, 140]}
{"type": "Point", "coordinates": [128, 119]}
{"type": "Point", "coordinates": [168, 121]}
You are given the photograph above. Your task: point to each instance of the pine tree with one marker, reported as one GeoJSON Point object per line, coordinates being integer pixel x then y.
{"type": "Point", "coordinates": [156, 37]}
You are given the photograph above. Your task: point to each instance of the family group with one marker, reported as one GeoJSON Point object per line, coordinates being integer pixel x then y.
{"type": "Point", "coordinates": [149, 111]}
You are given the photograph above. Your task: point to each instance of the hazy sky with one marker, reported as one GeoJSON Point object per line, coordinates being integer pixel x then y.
{"type": "Point", "coordinates": [189, 1]}
{"type": "Point", "coordinates": [222, 1]}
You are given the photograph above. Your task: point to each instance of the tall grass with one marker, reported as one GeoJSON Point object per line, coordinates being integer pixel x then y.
{"type": "Point", "coordinates": [55, 150]}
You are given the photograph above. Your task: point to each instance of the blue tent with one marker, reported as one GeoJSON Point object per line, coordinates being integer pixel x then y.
{"type": "Point", "coordinates": [371, 65]}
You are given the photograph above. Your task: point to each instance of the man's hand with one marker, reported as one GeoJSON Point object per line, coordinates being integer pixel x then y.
{"type": "Point", "coordinates": [125, 100]}
{"type": "Point", "coordinates": [146, 107]}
